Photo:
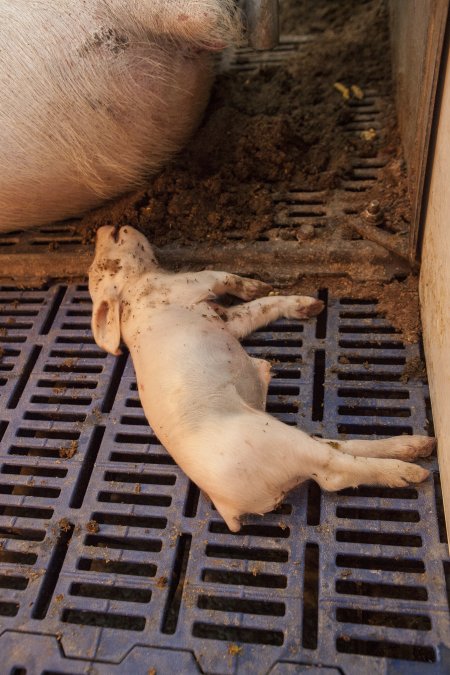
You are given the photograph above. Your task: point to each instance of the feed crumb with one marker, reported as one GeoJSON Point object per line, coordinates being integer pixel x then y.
{"type": "Point", "coordinates": [59, 597]}
{"type": "Point", "coordinates": [92, 526]}
{"type": "Point", "coordinates": [343, 90]}
{"type": "Point", "coordinates": [255, 570]}
{"type": "Point", "coordinates": [137, 488]}
{"type": "Point", "coordinates": [234, 650]}
{"type": "Point", "coordinates": [357, 92]}
{"type": "Point", "coordinates": [152, 671]}
{"type": "Point", "coordinates": [368, 134]}
{"type": "Point", "coordinates": [162, 582]}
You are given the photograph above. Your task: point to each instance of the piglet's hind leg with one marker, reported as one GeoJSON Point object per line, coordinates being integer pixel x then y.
{"type": "Point", "coordinates": [230, 516]}
{"type": "Point", "coordinates": [406, 448]}
{"type": "Point", "coordinates": [344, 471]}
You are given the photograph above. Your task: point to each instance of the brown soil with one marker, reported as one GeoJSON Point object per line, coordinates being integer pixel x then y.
{"type": "Point", "coordinates": [280, 127]}
{"type": "Point", "coordinates": [414, 370]}
{"type": "Point", "coordinates": [398, 301]}
{"type": "Point", "coordinates": [272, 129]}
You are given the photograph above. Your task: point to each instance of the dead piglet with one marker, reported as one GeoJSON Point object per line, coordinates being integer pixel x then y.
{"type": "Point", "coordinates": [205, 397]}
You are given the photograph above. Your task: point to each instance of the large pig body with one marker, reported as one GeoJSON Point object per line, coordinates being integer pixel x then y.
{"type": "Point", "coordinates": [96, 94]}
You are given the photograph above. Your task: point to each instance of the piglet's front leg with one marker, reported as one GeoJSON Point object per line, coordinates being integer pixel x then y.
{"type": "Point", "coordinates": [244, 319]}
{"type": "Point", "coordinates": [221, 283]}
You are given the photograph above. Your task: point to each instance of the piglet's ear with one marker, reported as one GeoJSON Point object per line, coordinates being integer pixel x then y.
{"type": "Point", "coordinates": [106, 325]}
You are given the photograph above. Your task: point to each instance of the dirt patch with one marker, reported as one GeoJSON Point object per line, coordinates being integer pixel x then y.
{"type": "Point", "coordinates": [283, 126]}
{"type": "Point", "coordinates": [275, 128]}
{"type": "Point", "coordinates": [414, 370]}
{"type": "Point", "coordinates": [318, 17]}
{"type": "Point", "coordinates": [92, 526]}
{"type": "Point", "coordinates": [68, 452]}
{"type": "Point", "coordinates": [397, 300]}
{"type": "Point", "coordinates": [64, 525]}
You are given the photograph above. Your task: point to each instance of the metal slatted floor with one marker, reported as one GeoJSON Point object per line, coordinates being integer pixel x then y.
{"type": "Point", "coordinates": [112, 562]}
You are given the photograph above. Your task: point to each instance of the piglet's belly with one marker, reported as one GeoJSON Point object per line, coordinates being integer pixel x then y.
{"type": "Point", "coordinates": [187, 375]}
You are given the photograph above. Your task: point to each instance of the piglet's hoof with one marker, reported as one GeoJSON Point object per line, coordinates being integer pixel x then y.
{"type": "Point", "coordinates": [314, 308]}
{"type": "Point", "coordinates": [253, 288]}
{"type": "Point", "coordinates": [303, 307]}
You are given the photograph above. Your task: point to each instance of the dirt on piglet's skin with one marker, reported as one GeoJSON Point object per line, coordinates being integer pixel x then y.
{"type": "Point", "coordinates": [272, 129]}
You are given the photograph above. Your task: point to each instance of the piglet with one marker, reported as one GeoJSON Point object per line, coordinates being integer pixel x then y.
{"type": "Point", "coordinates": [204, 396]}
{"type": "Point", "coordinates": [97, 94]}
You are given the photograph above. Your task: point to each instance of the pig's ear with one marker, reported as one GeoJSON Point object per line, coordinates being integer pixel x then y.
{"type": "Point", "coordinates": [106, 324]}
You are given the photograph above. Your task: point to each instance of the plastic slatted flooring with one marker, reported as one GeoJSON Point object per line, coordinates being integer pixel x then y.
{"type": "Point", "coordinates": [111, 561]}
